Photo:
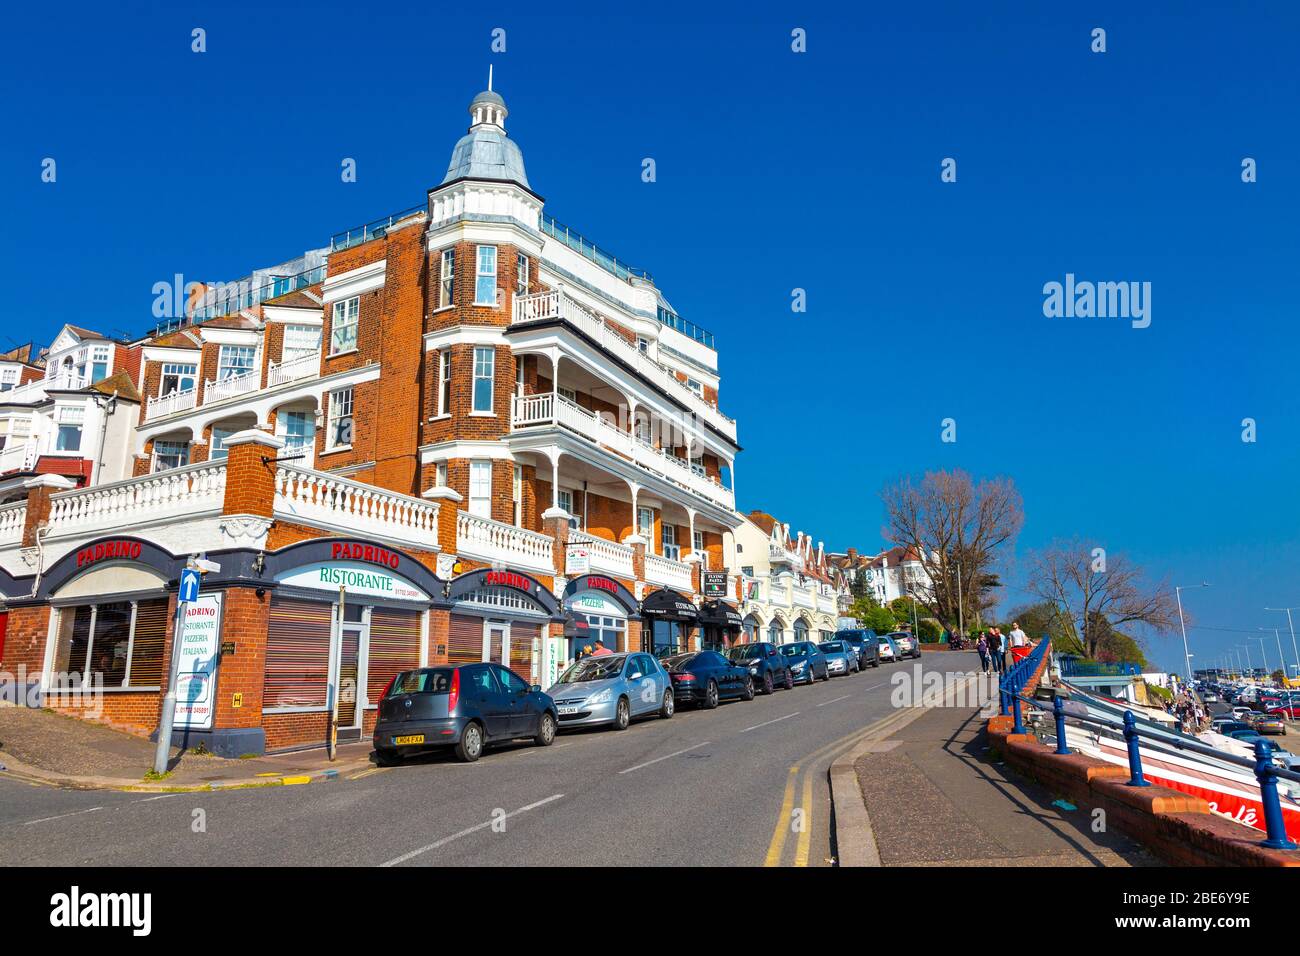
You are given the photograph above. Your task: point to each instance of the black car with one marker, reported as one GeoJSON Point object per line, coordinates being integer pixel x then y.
{"type": "Point", "coordinates": [806, 661]}
{"type": "Point", "coordinates": [706, 677]}
{"type": "Point", "coordinates": [865, 643]}
{"type": "Point", "coordinates": [768, 668]}
{"type": "Point", "coordinates": [465, 707]}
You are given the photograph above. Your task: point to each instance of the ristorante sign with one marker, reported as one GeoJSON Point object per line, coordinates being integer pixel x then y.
{"type": "Point", "coordinates": [353, 577]}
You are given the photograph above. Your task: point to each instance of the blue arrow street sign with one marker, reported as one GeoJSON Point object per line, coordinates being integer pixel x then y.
{"type": "Point", "coordinates": [189, 584]}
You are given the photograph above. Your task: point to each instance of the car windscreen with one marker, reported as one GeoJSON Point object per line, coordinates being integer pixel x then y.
{"type": "Point", "coordinates": [792, 650]}
{"type": "Point", "coordinates": [744, 652]}
{"type": "Point", "coordinates": [832, 647]}
{"type": "Point", "coordinates": [432, 681]}
{"type": "Point", "coordinates": [850, 635]}
{"type": "Point", "coordinates": [593, 668]}
{"type": "Point", "coordinates": [677, 661]}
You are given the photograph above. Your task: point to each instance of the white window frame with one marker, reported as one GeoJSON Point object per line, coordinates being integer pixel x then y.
{"type": "Point", "coordinates": [480, 487]}
{"type": "Point", "coordinates": [485, 268]}
{"type": "Point", "coordinates": [645, 525]}
{"type": "Point", "coordinates": [178, 371]}
{"type": "Point", "coordinates": [341, 405]}
{"type": "Point", "coordinates": [668, 545]}
{"type": "Point", "coordinates": [227, 369]}
{"type": "Point", "coordinates": [485, 365]}
{"type": "Point", "coordinates": [521, 274]}
{"type": "Point", "coordinates": [517, 493]}
{"type": "Point", "coordinates": [67, 416]}
{"type": "Point", "coordinates": [172, 446]}
{"type": "Point", "coordinates": [447, 279]}
{"type": "Point", "coordinates": [216, 447]}
{"type": "Point", "coordinates": [308, 446]}
{"type": "Point", "coordinates": [444, 382]}
{"type": "Point", "coordinates": [289, 353]}
{"type": "Point", "coordinates": [345, 317]}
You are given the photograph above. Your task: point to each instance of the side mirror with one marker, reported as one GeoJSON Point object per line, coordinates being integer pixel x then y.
{"type": "Point", "coordinates": [536, 688]}
{"type": "Point", "coordinates": [637, 676]}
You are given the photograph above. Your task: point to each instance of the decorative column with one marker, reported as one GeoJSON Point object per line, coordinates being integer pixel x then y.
{"type": "Point", "coordinates": [39, 490]}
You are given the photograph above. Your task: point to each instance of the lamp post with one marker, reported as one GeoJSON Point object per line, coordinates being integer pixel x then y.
{"type": "Point", "coordinates": [1263, 652]}
{"type": "Point", "coordinates": [1249, 666]}
{"type": "Point", "coordinates": [1291, 625]}
{"type": "Point", "coordinates": [1178, 596]}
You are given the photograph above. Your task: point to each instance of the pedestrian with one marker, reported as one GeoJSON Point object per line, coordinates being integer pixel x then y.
{"type": "Point", "coordinates": [995, 651]}
{"type": "Point", "coordinates": [601, 650]}
{"type": "Point", "coordinates": [983, 647]}
{"type": "Point", "coordinates": [1018, 637]}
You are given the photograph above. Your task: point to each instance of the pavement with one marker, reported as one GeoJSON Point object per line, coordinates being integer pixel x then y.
{"type": "Point", "coordinates": [46, 747]}
{"type": "Point", "coordinates": [744, 785]}
{"type": "Point", "coordinates": [933, 797]}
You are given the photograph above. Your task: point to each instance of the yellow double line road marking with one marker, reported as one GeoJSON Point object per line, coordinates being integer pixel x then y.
{"type": "Point", "coordinates": [776, 847]}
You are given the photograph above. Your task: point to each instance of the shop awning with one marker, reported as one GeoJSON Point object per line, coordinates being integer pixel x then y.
{"type": "Point", "coordinates": [720, 613]}
{"type": "Point", "coordinates": [668, 605]}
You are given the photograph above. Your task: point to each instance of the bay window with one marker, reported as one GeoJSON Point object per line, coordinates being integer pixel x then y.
{"type": "Point", "coordinates": [447, 279]}
{"type": "Point", "coordinates": [444, 382]}
{"type": "Point", "coordinates": [235, 360]}
{"type": "Point", "coordinates": [485, 276]}
{"type": "Point", "coordinates": [339, 434]}
{"type": "Point", "coordinates": [484, 376]}
{"type": "Point", "coordinates": [343, 331]}
{"type": "Point", "coordinates": [480, 488]}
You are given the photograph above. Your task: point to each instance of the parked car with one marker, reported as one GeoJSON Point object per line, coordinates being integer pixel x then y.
{"type": "Point", "coordinates": [1227, 726]}
{"type": "Point", "coordinates": [865, 643]}
{"type": "Point", "coordinates": [841, 658]}
{"type": "Point", "coordinates": [888, 650]}
{"type": "Point", "coordinates": [806, 661]}
{"type": "Point", "coordinates": [908, 645]}
{"type": "Point", "coordinates": [466, 708]}
{"type": "Point", "coordinates": [768, 668]}
{"type": "Point", "coordinates": [1288, 711]}
{"type": "Point", "coordinates": [613, 690]}
{"type": "Point", "coordinates": [1210, 698]}
{"type": "Point", "coordinates": [1241, 713]}
{"type": "Point", "coordinates": [1268, 723]}
{"type": "Point", "coordinates": [706, 677]}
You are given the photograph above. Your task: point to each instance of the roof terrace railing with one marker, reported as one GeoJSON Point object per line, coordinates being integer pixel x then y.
{"type": "Point", "coordinates": [371, 230]}
{"type": "Point", "coordinates": [229, 305]}
{"type": "Point", "coordinates": [689, 329]}
{"type": "Point", "coordinates": [585, 247]}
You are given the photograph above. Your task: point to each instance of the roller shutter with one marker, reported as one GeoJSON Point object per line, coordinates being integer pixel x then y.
{"type": "Point", "coordinates": [465, 640]}
{"type": "Point", "coordinates": [394, 647]}
{"type": "Point", "coordinates": [297, 654]}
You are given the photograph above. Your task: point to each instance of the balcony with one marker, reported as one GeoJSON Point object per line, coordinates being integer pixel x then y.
{"type": "Point", "coordinates": [179, 401]}
{"type": "Point", "coordinates": [278, 373]}
{"type": "Point", "coordinates": [488, 540]}
{"type": "Point", "coordinates": [13, 517]}
{"type": "Point", "coordinates": [328, 501]}
{"type": "Point", "coordinates": [555, 305]}
{"type": "Point", "coordinates": [779, 555]}
{"type": "Point", "coordinates": [668, 573]}
{"type": "Point", "coordinates": [18, 457]}
{"type": "Point", "coordinates": [232, 386]}
{"type": "Point", "coordinates": [826, 604]}
{"type": "Point", "coordinates": [180, 493]}
{"type": "Point", "coordinates": [549, 409]}
{"type": "Point", "coordinates": [803, 597]}
{"type": "Point", "coordinates": [608, 557]}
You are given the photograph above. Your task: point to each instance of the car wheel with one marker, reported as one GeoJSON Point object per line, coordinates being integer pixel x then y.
{"type": "Point", "coordinates": [545, 730]}
{"type": "Point", "coordinates": [387, 758]}
{"type": "Point", "coordinates": [669, 705]}
{"type": "Point", "coordinates": [875, 662]}
{"type": "Point", "coordinates": [470, 746]}
{"type": "Point", "coordinates": [767, 683]}
{"type": "Point", "coordinates": [789, 680]}
{"type": "Point", "coordinates": [747, 691]}
{"type": "Point", "coordinates": [711, 696]}
{"type": "Point", "coordinates": [622, 715]}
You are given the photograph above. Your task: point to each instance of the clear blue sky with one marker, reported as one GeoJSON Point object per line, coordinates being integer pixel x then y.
{"type": "Point", "coordinates": [775, 171]}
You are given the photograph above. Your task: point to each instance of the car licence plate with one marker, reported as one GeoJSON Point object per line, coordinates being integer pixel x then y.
{"type": "Point", "coordinates": [567, 710]}
{"type": "Point", "coordinates": [409, 739]}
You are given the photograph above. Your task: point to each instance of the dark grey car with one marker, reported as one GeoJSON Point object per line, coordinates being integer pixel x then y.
{"type": "Point", "coordinates": [865, 643]}
{"type": "Point", "coordinates": [466, 708]}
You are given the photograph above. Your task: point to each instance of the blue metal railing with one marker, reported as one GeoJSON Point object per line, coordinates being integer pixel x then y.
{"type": "Point", "coordinates": [588, 249]}
{"type": "Point", "coordinates": [690, 329]}
{"type": "Point", "coordinates": [278, 286]}
{"type": "Point", "coordinates": [1266, 772]}
{"type": "Point", "coordinates": [1013, 682]}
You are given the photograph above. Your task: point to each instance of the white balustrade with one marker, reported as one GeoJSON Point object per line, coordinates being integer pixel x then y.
{"type": "Point", "coordinates": [550, 409]}
{"type": "Point", "coordinates": [607, 556]}
{"type": "Point", "coordinates": [178, 401]}
{"type": "Point", "coordinates": [231, 386]}
{"type": "Point", "coordinates": [329, 501]}
{"type": "Point", "coordinates": [556, 305]}
{"type": "Point", "coordinates": [668, 573]}
{"type": "Point", "coordinates": [12, 519]}
{"type": "Point", "coordinates": [182, 492]}
{"type": "Point", "coordinates": [803, 597]}
{"type": "Point", "coordinates": [293, 369]}
{"type": "Point", "coordinates": [488, 540]}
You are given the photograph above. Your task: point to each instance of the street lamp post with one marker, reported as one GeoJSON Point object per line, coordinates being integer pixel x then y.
{"type": "Point", "coordinates": [1291, 625]}
{"type": "Point", "coordinates": [1178, 596]}
{"type": "Point", "coordinates": [1249, 666]}
{"type": "Point", "coordinates": [1263, 645]}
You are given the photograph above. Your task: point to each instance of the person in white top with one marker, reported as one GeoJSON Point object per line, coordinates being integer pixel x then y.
{"type": "Point", "coordinates": [1018, 637]}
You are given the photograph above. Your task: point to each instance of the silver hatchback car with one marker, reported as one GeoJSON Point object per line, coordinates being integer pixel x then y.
{"type": "Point", "coordinates": [612, 689]}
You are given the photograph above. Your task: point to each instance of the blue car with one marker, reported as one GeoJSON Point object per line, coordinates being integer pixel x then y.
{"type": "Point", "coordinates": [806, 661]}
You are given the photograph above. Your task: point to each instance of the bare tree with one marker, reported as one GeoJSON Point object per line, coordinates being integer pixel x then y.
{"type": "Point", "coordinates": [1097, 592]}
{"type": "Point", "coordinates": [955, 528]}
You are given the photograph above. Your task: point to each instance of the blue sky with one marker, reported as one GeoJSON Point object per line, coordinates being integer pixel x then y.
{"type": "Point", "coordinates": [775, 171]}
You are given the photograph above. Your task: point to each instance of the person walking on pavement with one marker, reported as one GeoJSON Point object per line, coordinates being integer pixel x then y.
{"type": "Point", "coordinates": [1018, 637]}
{"type": "Point", "coordinates": [983, 647]}
{"type": "Point", "coordinates": [995, 651]}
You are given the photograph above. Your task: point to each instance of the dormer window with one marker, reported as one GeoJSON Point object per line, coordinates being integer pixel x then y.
{"type": "Point", "coordinates": [177, 377]}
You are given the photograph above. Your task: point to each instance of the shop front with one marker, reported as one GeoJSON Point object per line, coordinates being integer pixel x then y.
{"type": "Point", "coordinates": [110, 606]}
{"type": "Point", "coordinates": [721, 626]}
{"type": "Point", "coordinates": [669, 623]}
{"type": "Point", "coordinates": [344, 614]}
{"type": "Point", "coordinates": [597, 610]}
{"type": "Point", "coordinates": [502, 616]}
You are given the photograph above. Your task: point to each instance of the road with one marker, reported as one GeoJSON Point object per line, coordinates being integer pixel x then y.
{"type": "Point", "coordinates": [704, 788]}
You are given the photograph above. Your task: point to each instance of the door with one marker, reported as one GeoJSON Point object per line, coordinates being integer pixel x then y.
{"type": "Point", "coordinates": [523, 720]}
{"type": "Point", "coordinates": [496, 642]}
{"type": "Point", "coordinates": [647, 690]}
{"type": "Point", "coordinates": [489, 700]}
{"type": "Point", "coordinates": [349, 672]}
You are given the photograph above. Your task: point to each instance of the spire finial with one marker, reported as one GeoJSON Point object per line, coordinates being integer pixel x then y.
{"type": "Point", "coordinates": [489, 77]}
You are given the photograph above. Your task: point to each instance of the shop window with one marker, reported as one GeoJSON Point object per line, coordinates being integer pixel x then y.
{"type": "Point", "coordinates": [69, 419]}
{"type": "Point", "coordinates": [113, 643]}
{"type": "Point", "coordinates": [344, 319]}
